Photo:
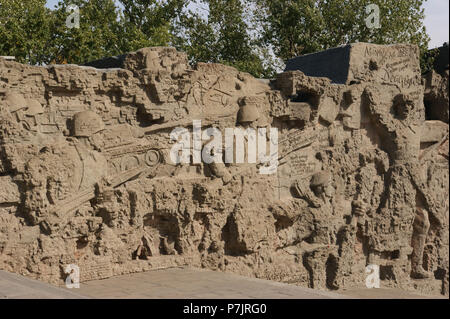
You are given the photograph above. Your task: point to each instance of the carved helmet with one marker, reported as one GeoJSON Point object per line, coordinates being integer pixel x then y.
{"type": "Point", "coordinates": [249, 111]}
{"type": "Point", "coordinates": [320, 179]}
{"type": "Point", "coordinates": [15, 102]}
{"type": "Point", "coordinates": [87, 123]}
{"type": "Point", "coordinates": [34, 108]}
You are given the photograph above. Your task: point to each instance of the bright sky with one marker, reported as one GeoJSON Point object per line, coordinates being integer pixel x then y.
{"type": "Point", "coordinates": [436, 20]}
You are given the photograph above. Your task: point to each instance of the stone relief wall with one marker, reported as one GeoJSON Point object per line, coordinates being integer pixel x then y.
{"type": "Point", "coordinates": [86, 177]}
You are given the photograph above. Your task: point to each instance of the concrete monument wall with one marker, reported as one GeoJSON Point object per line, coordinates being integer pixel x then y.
{"type": "Point", "coordinates": [86, 175]}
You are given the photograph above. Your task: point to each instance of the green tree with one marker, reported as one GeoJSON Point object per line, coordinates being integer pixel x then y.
{"type": "Point", "coordinates": [148, 23]}
{"type": "Point", "coordinates": [220, 36]}
{"type": "Point", "coordinates": [97, 36]}
{"type": "Point", "coordinates": [107, 30]}
{"type": "Point", "coordinates": [25, 30]}
{"type": "Point", "coordinates": [296, 27]}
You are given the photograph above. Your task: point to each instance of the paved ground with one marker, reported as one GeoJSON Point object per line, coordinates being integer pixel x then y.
{"type": "Point", "coordinates": [385, 293]}
{"type": "Point", "coordinates": [185, 283]}
{"type": "Point", "coordinates": [181, 283]}
{"type": "Point", "coordinates": [14, 286]}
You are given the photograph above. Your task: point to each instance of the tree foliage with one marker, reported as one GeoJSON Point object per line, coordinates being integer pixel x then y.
{"type": "Point", "coordinates": [25, 30]}
{"type": "Point", "coordinates": [247, 34]}
{"type": "Point", "coordinates": [220, 35]}
{"type": "Point", "coordinates": [296, 27]}
{"type": "Point", "coordinates": [148, 22]}
{"type": "Point", "coordinates": [98, 35]}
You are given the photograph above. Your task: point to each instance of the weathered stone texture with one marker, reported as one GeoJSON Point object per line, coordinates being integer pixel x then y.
{"type": "Point", "coordinates": [86, 176]}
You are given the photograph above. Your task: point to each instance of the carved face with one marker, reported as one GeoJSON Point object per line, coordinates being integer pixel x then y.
{"type": "Point", "coordinates": [325, 190]}
{"type": "Point", "coordinates": [329, 190]}
{"type": "Point", "coordinates": [403, 106]}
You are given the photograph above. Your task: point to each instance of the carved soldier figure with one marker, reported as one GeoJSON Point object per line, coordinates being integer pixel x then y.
{"type": "Point", "coordinates": [107, 203]}
{"type": "Point", "coordinates": [399, 118]}
{"type": "Point", "coordinates": [329, 212]}
{"type": "Point", "coordinates": [421, 226]}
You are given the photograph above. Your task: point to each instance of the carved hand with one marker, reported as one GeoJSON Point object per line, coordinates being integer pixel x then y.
{"type": "Point", "coordinates": [359, 208]}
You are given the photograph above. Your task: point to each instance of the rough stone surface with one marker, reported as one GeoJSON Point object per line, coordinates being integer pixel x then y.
{"type": "Point", "coordinates": [436, 95]}
{"type": "Point", "coordinates": [87, 178]}
{"type": "Point", "coordinates": [441, 63]}
{"type": "Point", "coordinates": [363, 62]}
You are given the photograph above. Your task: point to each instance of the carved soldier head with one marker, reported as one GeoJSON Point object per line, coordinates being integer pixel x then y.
{"type": "Point", "coordinates": [15, 102]}
{"type": "Point", "coordinates": [321, 184]}
{"type": "Point", "coordinates": [248, 113]}
{"type": "Point", "coordinates": [403, 106]}
{"type": "Point", "coordinates": [87, 123]}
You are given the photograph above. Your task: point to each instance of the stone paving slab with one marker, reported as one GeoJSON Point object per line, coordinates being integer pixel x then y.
{"type": "Point", "coordinates": [13, 286]}
{"type": "Point", "coordinates": [385, 293]}
{"type": "Point", "coordinates": [188, 283]}
{"type": "Point", "coordinates": [183, 283]}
